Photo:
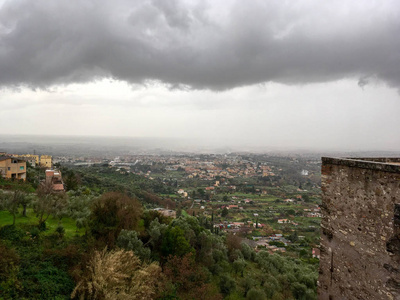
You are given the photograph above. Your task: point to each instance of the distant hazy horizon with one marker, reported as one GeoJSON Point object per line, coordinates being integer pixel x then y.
{"type": "Point", "coordinates": [98, 145]}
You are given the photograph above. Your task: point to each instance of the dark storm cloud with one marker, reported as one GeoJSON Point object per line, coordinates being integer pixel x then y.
{"type": "Point", "coordinates": [215, 45]}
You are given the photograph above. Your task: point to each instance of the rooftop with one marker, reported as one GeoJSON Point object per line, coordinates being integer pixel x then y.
{"type": "Point", "coordinates": [4, 157]}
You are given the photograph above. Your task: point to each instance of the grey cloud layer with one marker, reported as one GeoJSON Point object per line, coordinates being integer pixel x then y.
{"type": "Point", "coordinates": [216, 45]}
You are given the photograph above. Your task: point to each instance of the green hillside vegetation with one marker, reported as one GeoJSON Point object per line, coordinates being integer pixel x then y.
{"type": "Point", "coordinates": [188, 260]}
{"type": "Point", "coordinates": [101, 240]}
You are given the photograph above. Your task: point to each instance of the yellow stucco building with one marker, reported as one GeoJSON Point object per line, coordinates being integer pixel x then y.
{"type": "Point", "coordinates": [31, 158]}
{"type": "Point", "coordinates": [12, 167]}
{"type": "Point", "coordinates": [45, 161]}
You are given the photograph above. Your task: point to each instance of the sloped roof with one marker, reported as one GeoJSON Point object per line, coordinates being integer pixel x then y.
{"type": "Point", "coordinates": [58, 187]}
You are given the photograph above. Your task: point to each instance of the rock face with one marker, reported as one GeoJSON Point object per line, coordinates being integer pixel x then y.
{"type": "Point", "coordinates": [360, 229]}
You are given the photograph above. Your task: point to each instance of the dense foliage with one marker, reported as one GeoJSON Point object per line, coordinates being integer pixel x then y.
{"type": "Point", "coordinates": [120, 250]}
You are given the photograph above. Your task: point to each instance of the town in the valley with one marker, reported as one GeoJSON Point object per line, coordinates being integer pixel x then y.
{"type": "Point", "coordinates": [271, 202]}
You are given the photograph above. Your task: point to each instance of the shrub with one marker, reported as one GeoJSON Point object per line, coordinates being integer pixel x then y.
{"type": "Point", "coordinates": [60, 230]}
{"type": "Point", "coordinates": [11, 232]}
{"type": "Point", "coordinates": [227, 284]}
{"type": "Point", "coordinates": [35, 232]}
{"type": "Point", "coordinates": [42, 226]}
{"type": "Point", "coordinates": [256, 294]}
{"type": "Point", "coordinates": [118, 275]}
{"type": "Point", "coordinates": [9, 262]}
{"type": "Point", "coordinates": [45, 281]}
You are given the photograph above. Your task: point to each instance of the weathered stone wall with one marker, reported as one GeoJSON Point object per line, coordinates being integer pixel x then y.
{"type": "Point", "coordinates": [360, 230]}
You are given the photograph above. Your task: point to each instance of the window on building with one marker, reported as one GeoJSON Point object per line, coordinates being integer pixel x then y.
{"type": "Point", "coordinates": [21, 167]}
{"type": "Point", "coordinates": [9, 168]}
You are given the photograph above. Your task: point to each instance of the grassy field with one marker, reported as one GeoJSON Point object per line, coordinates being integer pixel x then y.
{"type": "Point", "coordinates": [171, 196]}
{"type": "Point", "coordinates": [169, 175]}
{"type": "Point", "coordinates": [51, 223]}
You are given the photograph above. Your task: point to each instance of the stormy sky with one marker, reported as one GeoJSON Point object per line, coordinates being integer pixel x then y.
{"type": "Point", "coordinates": [282, 74]}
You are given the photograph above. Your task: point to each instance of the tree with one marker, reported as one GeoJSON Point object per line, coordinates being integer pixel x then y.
{"type": "Point", "coordinates": [201, 192]}
{"type": "Point", "coordinates": [175, 243]}
{"type": "Point", "coordinates": [49, 203]}
{"type": "Point", "coordinates": [156, 231]}
{"type": "Point", "coordinates": [150, 215]}
{"type": "Point", "coordinates": [224, 212]}
{"type": "Point", "coordinates": [291, 211]}
{"type": "Point", "coordinates": [24, 201]}
{"type": "Point", "coordinates": [111, 213]}
{"type": "Point", "coordinates": [227, 285]}
{"type": "Point", "coordinates": [11, 202]}
{"type": "Point", "coordinates": [252, 280]}
{"type": "Point", "coordinates": [299, 290]}
{"type": "Point", "coordinates": [79, 209]}
{"type": "Point", "coordinates": [9, 267]}
{"type": "Point", "coordinates": [248, 252]}
{"type": "Point", "coordinates": [118, 275]}
{"type": "Point", "coordinates": [256, 294]}
{"type": "Point", "coordinates": [233, 243]}
{"type": "Point", "coordinates": [179, 211]}
{"type": "Point", "coordinates": [32, 176]}
{"type": "Point", "coordinates": [239, 266]}
{"type": "Point", "coordinates": [71, 180]}
{"type": "Point", "coordinates": [189, 279]}
{"type": "Point", "coordinates": [128, 240]}
{"type": "Point", "coordinates": [293, 237]}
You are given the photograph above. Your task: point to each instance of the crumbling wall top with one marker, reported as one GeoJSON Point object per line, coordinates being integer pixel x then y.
{"type": "Point", "coordinates": [386, 164]}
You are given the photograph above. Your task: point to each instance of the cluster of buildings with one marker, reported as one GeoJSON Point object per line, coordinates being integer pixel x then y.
{"type": "Point", "coordinates": [212, 169]}
{"type": "Point", "coordinates": [80, 160]}
{"type": "Point", "coordinates": [238, 226]}
{"type": "Point", "coordinates": [199, 166]}
{"type": "Point", "coordinates": [43, 161]}
{"type": "Point", "coordinates": [264, 243]}
{"type": "Point", "coordinates": [13, 166]}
